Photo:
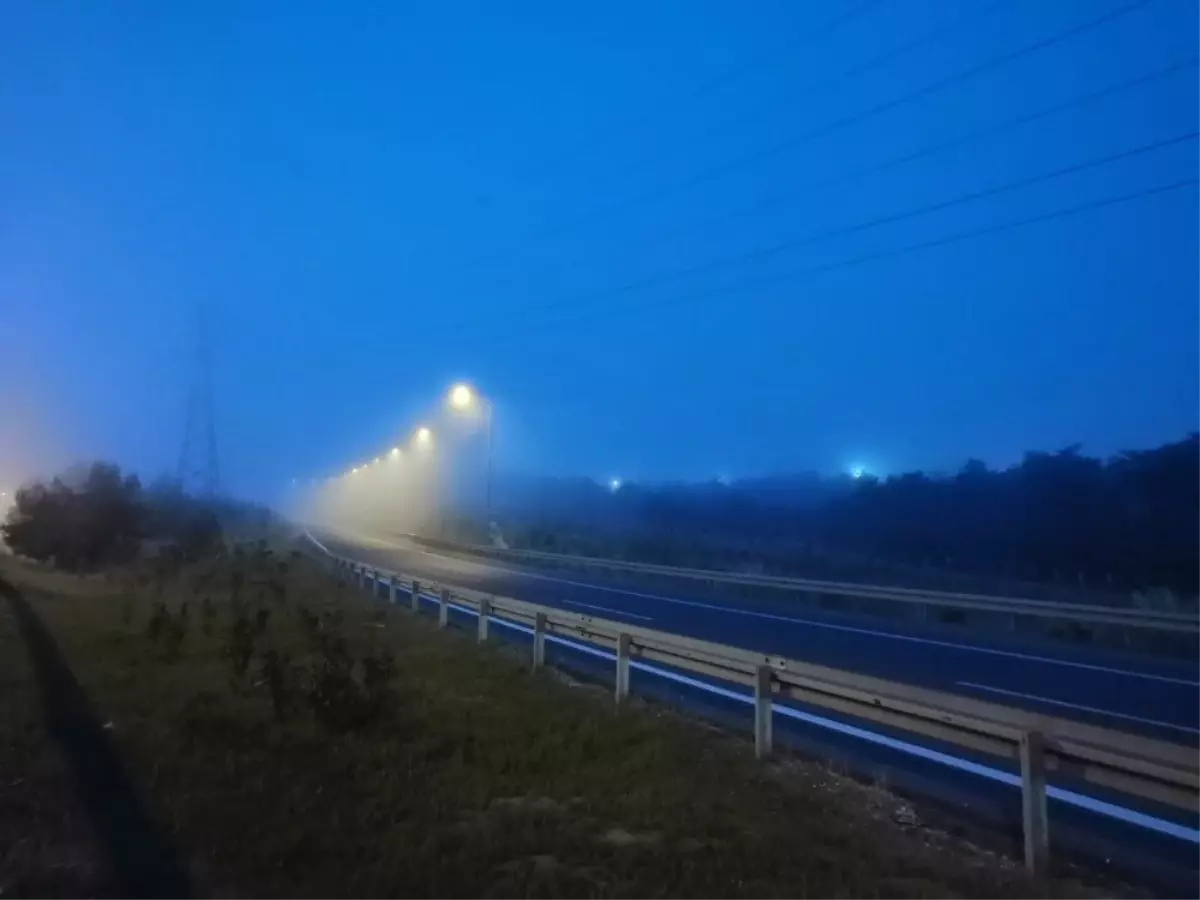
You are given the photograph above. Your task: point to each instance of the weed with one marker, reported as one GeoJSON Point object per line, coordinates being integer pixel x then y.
{"type": "Point", "coordinates": [275, 670]}
{"type": "Point", "coordinates": [240, 646]}
{"type": "Point", "coordinates": [208, 616]}
{"type": "Point", "coordinates": [159, 617]}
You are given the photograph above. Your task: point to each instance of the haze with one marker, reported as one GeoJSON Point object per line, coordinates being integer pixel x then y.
{"type": "Point", "coordinates": [372, 202]}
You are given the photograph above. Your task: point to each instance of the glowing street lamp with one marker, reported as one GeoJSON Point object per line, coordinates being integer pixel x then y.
{"type": "Point", "coordinates": [463, 399]}
{"type": "Point", "coordinates": [395, 453]}
{"type": "Point", "coordinates": [423, 436]}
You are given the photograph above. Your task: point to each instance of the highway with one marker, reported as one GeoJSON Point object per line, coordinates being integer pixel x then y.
{"type": "Point", "coordinates": [1158, 698]}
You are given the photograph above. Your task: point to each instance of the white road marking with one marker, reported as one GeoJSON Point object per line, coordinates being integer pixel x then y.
{"type": "Point", "coordinates": [1071, 798]}
{"type": "Point", "coordinates": [1103, 712]}
{"type": "Point", "coordinates": [1011, 654]}
{"type": "Point", "coordinates": [608, 609]}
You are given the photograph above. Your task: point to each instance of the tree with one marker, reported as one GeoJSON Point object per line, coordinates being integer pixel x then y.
{"type": "Point", "coordinates": [86, 526]}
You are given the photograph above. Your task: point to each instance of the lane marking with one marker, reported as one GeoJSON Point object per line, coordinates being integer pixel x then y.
{"type": "Point", "coordinates": [318, 543]}
{"type": "Point", "coordinates": [1071, 798]}
{"type": "Point", "coordinates": [608, 609]}
{"type": "Point", "coordinates": [1094, 709]}
{"type": "Point", "coordinates": [1011, 654]}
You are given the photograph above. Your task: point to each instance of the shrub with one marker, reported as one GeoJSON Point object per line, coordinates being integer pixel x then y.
{"type": "Point", "coordinates": [79, 521]}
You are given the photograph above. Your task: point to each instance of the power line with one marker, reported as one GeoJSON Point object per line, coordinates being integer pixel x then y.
{"type": "Point", "coordinates": [783, 197]}
{"type": "Point", "coordinates": [875, 222]}
{"type": "Point", "coordinates": [876, 110]}
{"type": "Point", "coordinates": [852, 262]}
{"type": "Point", "coordinates": [780, 198]}
{"type": "Point", "coordinates": [654, 114]}
{"type": "Point", "coordinates": [852, 72]}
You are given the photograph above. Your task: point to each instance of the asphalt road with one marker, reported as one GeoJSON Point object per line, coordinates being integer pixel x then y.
{"type": "Point", "coordinates": [1158, 698]}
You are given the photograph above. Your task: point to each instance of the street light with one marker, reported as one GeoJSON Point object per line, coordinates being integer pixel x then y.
{"type": "Point", "coordinates": [461, 396]}
{"type": "Point", "coordinates": [463, 399]}
{"type": "Point", "coordinates": [395, 452]}
{"type": "Point", "coordinates": [423, 436]}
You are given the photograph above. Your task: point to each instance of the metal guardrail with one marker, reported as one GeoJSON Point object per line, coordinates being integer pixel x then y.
{"type": "Point", "coordinates": [1136, 766]}
{"type": "Point", "coordinates": [1151, 620]}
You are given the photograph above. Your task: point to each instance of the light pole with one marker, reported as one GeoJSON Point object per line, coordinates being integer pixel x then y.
{"type": "Point", "coordinates": [463, 399]}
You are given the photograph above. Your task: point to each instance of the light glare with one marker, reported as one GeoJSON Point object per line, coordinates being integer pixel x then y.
{"type": "Point", "coordinates": [461, 396]}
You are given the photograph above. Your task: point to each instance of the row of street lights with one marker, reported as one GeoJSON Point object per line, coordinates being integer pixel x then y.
{"type": "Point", "coordinates": [463, 399]}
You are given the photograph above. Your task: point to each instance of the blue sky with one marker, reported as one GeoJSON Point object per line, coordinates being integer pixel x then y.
{"type": "Point", "coordinates": [374, 200]}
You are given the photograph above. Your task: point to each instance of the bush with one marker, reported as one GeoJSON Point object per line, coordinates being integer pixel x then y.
{"type": "Point", "coordinates": [94, 522]}
{"type": "Point", "coordinates": [93, 517]}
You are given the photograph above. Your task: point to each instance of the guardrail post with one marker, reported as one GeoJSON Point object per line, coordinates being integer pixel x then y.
{"type": "Point", "coordinates": [762, 712]}
{"type": "Point", "coordinates": [539, 641]}
{"type": "Point", "coordinates": [485, 610]}
{"type": "Point", "coordinates": [393, 592]}
{"type": "Point", "coordinates": [1033, 802]}
{"type": "Point", "coordinates": [623, 644]}
{"type": "Point", "coordinates": [416, 596]}
{"type": "Point", "coordinates": [444, 609]}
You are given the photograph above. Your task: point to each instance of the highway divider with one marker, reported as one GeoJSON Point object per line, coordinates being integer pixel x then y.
{"type": "Point", "coordinates": [1150, 770]}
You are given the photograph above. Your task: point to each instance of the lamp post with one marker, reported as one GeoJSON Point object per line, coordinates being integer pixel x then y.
{"type": "Point", "coordinates": [463, 399]}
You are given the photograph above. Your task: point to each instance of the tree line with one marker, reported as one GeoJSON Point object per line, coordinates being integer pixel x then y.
{"type": "Point", "coordinates": [94, 516]}
{"type": "Point", "coordinates": [1127, 523]}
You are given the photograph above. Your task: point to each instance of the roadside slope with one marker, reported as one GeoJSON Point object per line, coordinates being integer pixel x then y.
{"type": "Point", "coordinates": [468, 776]}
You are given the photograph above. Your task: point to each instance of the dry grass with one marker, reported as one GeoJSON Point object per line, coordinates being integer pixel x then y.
{"type": "Point", "coordinates": [473, 777]}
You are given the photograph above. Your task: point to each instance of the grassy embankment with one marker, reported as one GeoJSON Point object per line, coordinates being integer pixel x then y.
{"type": "Point", "coordinates": [282, 735]}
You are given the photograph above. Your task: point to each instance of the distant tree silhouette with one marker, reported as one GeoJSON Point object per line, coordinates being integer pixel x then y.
{"type": "Point", "coordinates": [1128, 523]}
{"type": "Point", "coordinates": [92, 516]}
{"type": "Point", "coordinates": [92, 522]}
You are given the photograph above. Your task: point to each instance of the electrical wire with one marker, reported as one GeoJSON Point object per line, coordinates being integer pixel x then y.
{"type": "Point", "coordinates": [803, 190]}
{"type": "Point", "coordinates": [852, 72]}
{"type": "Point", "coordinates": [956, 237]}
{"type": "Point", "coordinates": [878, 109]}
{"type": "Point", "coordinates": [854, 228]}
{"type": "Point", "coordinates": [655, 113]}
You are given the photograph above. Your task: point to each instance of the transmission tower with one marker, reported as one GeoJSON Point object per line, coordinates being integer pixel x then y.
{"type": "Point", "coordinates": [198, 470]}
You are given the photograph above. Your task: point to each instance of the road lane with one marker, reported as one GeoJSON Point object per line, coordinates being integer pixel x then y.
{"type": "Point", "coordinates": [1157, 698]}
{"type": "Point", "coordinates": [1139, 837]}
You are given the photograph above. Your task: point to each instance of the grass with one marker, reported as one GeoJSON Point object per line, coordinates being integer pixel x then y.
{"type": "Point", "coordinates": [360, 752]}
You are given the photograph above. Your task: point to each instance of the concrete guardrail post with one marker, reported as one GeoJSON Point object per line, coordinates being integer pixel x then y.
{"type": "Point", "coordinates": [444, 609]}
{"type": "Point", "coordinates": [539, 641]}
{"type": "Point", "coordinates": [393, 590]}
{"type": "Point", "coordinates": [485, 610]}
{"type": "Point", "coordinates": [1033, 802]}
{"type": "Point", "coordinates": [624, 642]}
{"type": "Point", "coordinates": [416, 596]}
{"type": "Point", "coordinates": [762, 712]}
